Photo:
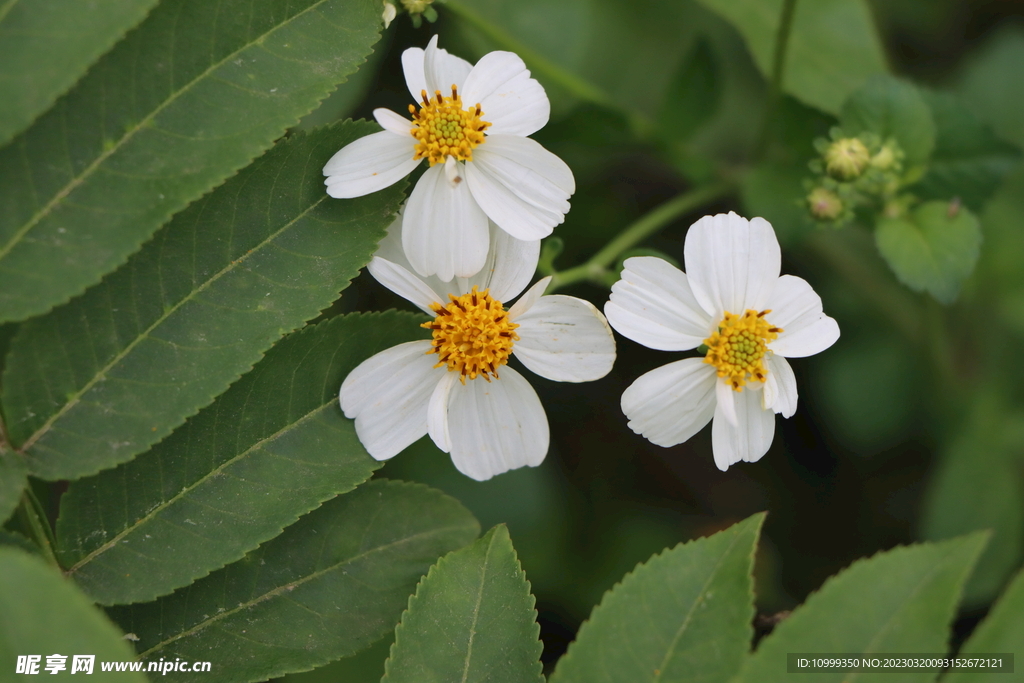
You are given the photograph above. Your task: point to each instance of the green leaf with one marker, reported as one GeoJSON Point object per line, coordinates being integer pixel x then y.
{"type": "Point", "coordinates": [270, 449]}
{"type": "Point", "coordinates": [13, 538]}
{"type": "Point", "coordinates": [833, 45]}
{"type": "Point", "coordinates": [1001, 631]}
{"type": "Point", "coordinates": [901, 600]}
{"type": "Point", "coordinates": [692, 96]}
{"type": "Point", "coordinates": [331, 585]}
{"type": "Point", "coordinates": [45, 615]}
{"type": "Point", "coordinates": [991, 85]}
{"type": "Point", "coordinates": [685, 615]}
{"type": "Point", "coordinates": [158, 121]}
{"type": "Point", "coordinates": [472, 619]}
{"type": "Point", "coordinates": [100, 379]}
{"type": "Point", "coordinates": [47, 45]}
{"type": "Point", "coordinates": [931, 249]}
{"type": "Point", "coordinates": [364, 667]}
{"type": "Point", "coordinates": [969, 162]}
{"type": "Point", "coordinates": [13, 480]}
{"type": "Point", "coordinates": [892, 108]}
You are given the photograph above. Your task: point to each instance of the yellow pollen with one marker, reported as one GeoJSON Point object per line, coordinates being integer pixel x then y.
{"type": "Point", "coordinates": [472, 335]}
{"type": "Point", "coordinates": [738, 347]}
{"type": "Point", "coordinates": [443, 128]}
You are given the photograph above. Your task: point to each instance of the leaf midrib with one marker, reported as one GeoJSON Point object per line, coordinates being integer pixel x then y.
{"type": "Point", "coordinates": [476, 609]}
{"type": "Point", "coordinates": [77, 395]}
{"type": "Point", "coordinates": [130, 133]}
{"type": "Point", "coordinates": [291, 585]}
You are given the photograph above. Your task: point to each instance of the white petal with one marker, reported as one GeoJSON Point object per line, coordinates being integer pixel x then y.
{"type": "Point", "coordinates": [732, 263]}
{"type": "Point", "coordinates": [780, 395]}
{"type": "Point", "coordinates": [796, 308]}
{"type": "Point", "coordinates": [512, 102]}
{"type": "Point", "coordinates": [527, 300]}
{"type": "Point", "coordinates": [496, 426]}
{"type": "Point", "coordinates": [369, 164]}
{"type": "Point", "coordinates": [565, 339]}
{"type": "Point", "coordinates": [725, 395]}
{"type": "Point", "coordinates": [390, 249]}
{"type": "Point", "coordinates": [412, 67]}
{"type": "Point", "coordinates": [437, 411]}
{"type": "Point", "coordinates": [444, 232]}
{"type": "Point", "coordinates": [387, 394]}
{"type": "Point", "coordinates": [520, 185]}
{"type": "Point", "coordinates": [652, 305]}
{"type": "Point", "coordinates": [510, 265]}
{"type": "Point", "coordinates": [670, 404]}
{"type": "Point", "coordinates": [748, 441]}
{"type": "Point", "coordinates": [443, 70]}
{"type": "Point", "coordinates": [392, 122]}
{"type": "Point", "coordinates": [405, 284]}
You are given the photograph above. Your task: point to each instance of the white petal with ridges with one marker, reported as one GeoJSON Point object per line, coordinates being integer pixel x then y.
{"type": "Point", "coordinates": [387, 394]}
{"type": "Point", "coordinates": [512, 101]}
{"type": "Point", "coordinates": [443, 70]}
{"type": "Point", "coordinates": [437, 411]}
{"type": "Point", "coordinates": [392, 122]}
{"type": "Point", "coordinates": [405, 284]}
{"type": "Point", "coordinates": [369, 164]}
{"type": "Point", "coordinates": [565, 339]}
{"type": "Point", "coordinates": [796, 308]}
{"type": "Point", "coordinates": [780, 394]}
{"type": "Point", "coordinates": [750, 439]}
{"type": "Point", "coordinates": [444, 232]}
{"type": "Point", "coordinates": [732, 263]}
{"type": "Point", "coordinates": [652, 305]}
{"type": "Point", "coordinates": [527, 300]}
{"type": "Point", "coordinates": [726, 397]}
{"type": "Point", "coordinates": [510, 265]}
{"type": "Point", "coordinates": [670, 404]}
{"type": "Point", "coordinates": [412, 68]}
{"type": "Point", "coordinates": [496, 426]}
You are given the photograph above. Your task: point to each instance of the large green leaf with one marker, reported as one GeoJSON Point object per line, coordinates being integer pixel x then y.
{"type": "Point", "coordinates": [267, 451]}
{"type": "Point", "coordinates": [43, 615]}
{"type": "Point", "coordinates": [47, 45]}
{"type": "Point", "coordinates": [331, 585]}
{"type": "Point", "coordinates": [102, 378]}
{"type": "Point", "coordinates": [685, 615]}
{"type": "Point", "coordinates": [901, 600]}
{"type": "Point", "coordinates": [13, 479]}
{"type": "Point", "coordinates": [833, 45]}
{"type": "Point", "coordinates": [1002, 631]}
{"type": "Point", "coordinates": [471, 620]}
{"type": "Point", "coordinates": [165, 116]}
{"type": "Point", "coordinates": [892, 108]}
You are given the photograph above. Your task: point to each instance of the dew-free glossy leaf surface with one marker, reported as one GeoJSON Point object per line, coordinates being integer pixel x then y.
{"type": "Point", "coordinates": [161, 119]}
{"type": "Point", "coordinates": [472, 620]}
{"type": "Point", "coordinates": [13, 478]}
{"type": "Point", "coordinates": [1002, 630]}
{"type": "Point", "coordinates": [892, 108]}
{"type": "Point", "coordinates": [46, 45]}
{"type": "Point", "coordinates": [331, 585]}
{"type": "Point", "coordinates": [684, 615]}
{"type": "Point", "coordinates": [44, 614]}
{"type": "Point", "coordinates": [902, 600]}
{"type": "Point", "coordinates": [271, 448]}
{"type": "Point", "coordinates": [100, 379]}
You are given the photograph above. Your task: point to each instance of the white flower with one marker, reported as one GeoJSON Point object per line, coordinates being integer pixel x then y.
{"type": "Point", "coordinates": [732, 300]}
{"type": "Point", "coordinates": [471, 126]}
{"type": "Point", "coordinates": [474, 406]}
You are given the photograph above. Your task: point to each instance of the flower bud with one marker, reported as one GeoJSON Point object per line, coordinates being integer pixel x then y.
{"type": "Point", "coordinates": [846, 159]}
{"type": "Point", "coordinates": [825, 204]}
{"type": "Point", "coordinates": [884, 159]}
{"type": "Point", "coordinates": [416, 6]}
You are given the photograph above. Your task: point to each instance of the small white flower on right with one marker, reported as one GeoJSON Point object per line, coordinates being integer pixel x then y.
{"type": "Point", "coordinates": [732, 300]}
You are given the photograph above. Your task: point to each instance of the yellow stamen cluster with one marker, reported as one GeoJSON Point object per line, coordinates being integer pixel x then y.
{"type": "Point", "coordinates": [737, 349]}
{"type": "Point", "coordinates": [472, 335]}
{"type": "Point", "coordinates": [443, 128]}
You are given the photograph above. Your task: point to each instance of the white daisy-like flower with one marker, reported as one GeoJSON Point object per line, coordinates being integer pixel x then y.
{"type": "Point", "coordinates": [470, 123]}
{"type": "Point", "coordinates": [732, 300]}
{"type": "Point", "coordinates": [457, 387]}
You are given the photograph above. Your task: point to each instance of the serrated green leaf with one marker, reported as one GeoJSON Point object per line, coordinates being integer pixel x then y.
{"type": "Point", "coordinates": [892, 108]}
{"type": "Point", "coordinates": [13, 479]}
{"type": "Point", "coordinates": [100, 379]}
{"type": "Point", "coordinates": [364, 667]}
{"type": "Point", "coordinates": [331, 585]}
{"type": "Point", "coordinates": [13, 538]}
{"type": "Point", "coordinates": [158, 121]}
{"type": "Point", "coordinates": [472, 619]}
{"type": "Point", "coordinates": [43, 615]}
{"type": "Point", "coordinates": [969, 161]}
{"type": "Point", "coordinates": [270, 449]}
{"type": "Point", "coordinates": [833, 45]}
{"type": "Point", "coordinates": [902, 600]}
{"type": "Point", "coordinates": [684, 615]}
{"type": "Point", "coordinates": [47, 45]}
{"type": "Point", "coordinates": [931, 249]}
{"type": "Point", "coordinates": [1001, 631]}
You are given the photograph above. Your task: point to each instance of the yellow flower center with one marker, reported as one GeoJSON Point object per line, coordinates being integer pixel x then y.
{"type": "Point", "coordinates": [443, 128]}
{"type": "Point", "coordinates": [737, 349]}
{"type": "Point", "coordinates": [472, 335]}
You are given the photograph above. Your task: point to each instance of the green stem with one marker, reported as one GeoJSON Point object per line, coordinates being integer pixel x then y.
{"type": "Point", "coordinates": [778, 72]}
{"type": "Point", "coordinates": [33, 521]}
{"type": "Point", "coordinates": [596, 269]}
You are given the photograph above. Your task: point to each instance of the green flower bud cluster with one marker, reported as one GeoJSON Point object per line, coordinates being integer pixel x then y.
{"type": "Point", "coordinates": [419, 10]}
{"type": "Point", "coordinates": [851, 173]}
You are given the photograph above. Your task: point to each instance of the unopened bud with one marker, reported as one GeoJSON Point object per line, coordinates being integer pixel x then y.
{"type": "Point", "coordinates": [846, 159]}
{"type": "Point", "coordinates": [825, 204]}
{"type": "Point", "coordinates": [390, 12]}
{"type": "Point", "coordinates": [884, 159]}
{"type": "Point", "coordinates": [416, 6]}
